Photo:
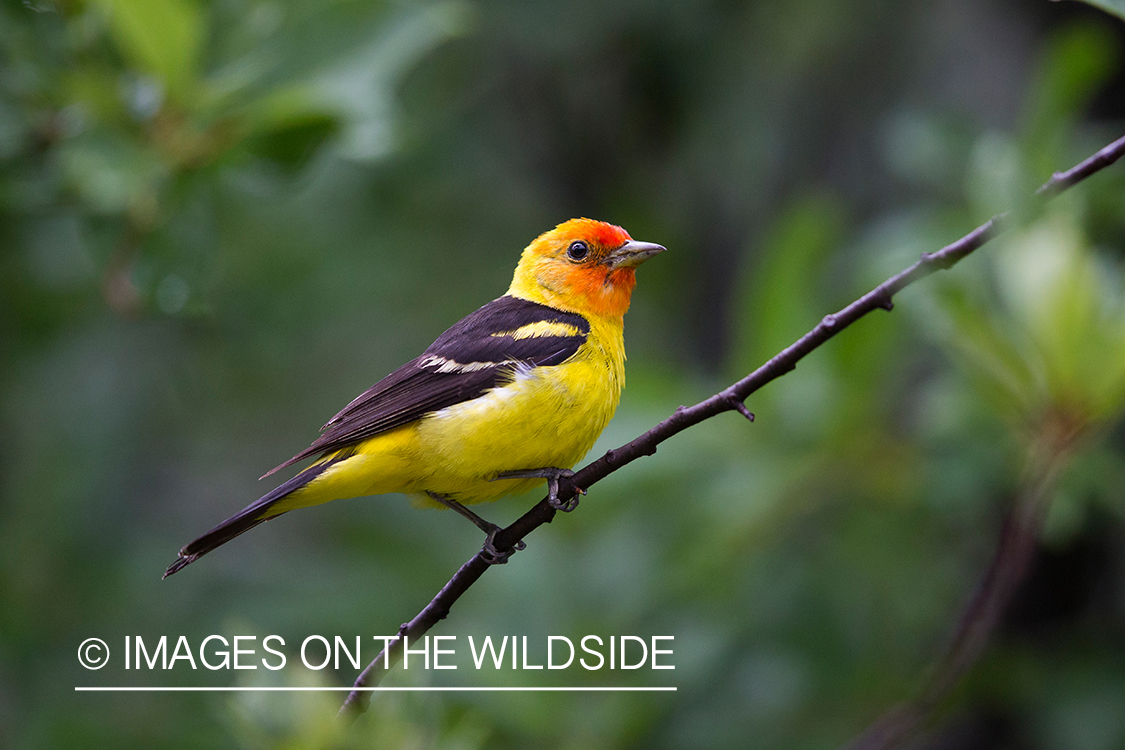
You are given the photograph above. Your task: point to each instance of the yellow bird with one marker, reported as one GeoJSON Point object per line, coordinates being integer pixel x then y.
{"type": "Point", "coordinates": [514, 394]}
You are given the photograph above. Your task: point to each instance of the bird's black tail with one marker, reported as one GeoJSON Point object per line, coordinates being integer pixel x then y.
{"type": "Point", "coordinates": [246, 519]}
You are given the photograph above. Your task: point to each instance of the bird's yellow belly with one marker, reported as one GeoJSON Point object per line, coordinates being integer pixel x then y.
{"type": "Point", "coordinates": [545, 418]}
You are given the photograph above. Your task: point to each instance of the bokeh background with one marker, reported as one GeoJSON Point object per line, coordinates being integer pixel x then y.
{"type": "Point", "coordinates": [221, 220]}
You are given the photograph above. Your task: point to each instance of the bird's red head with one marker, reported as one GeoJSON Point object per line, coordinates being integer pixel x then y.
{"type": "Point", "coordinates": [582, 265]}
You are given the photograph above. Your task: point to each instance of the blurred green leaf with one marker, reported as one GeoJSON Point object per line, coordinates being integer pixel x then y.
{"type": "Point", "coordinates": [994, 358]}
{"type": "Point", "coordinates": [287, 125]}
{"type": "Point", "coordinates": [1077, 63]}
{"type": "Point", "coordinates": [110, 173]}
{"type": "Point", "coordinates": [160, 37]}
{"type": "Point", "coordinates": [1053, 342]}
{"type": "Point", "coordinates": [294, 139]}
{"type": "Point", "coordinates": [97, 92]}
{"type": "Point", "coordinates": [1070, 301]}
{"type": "Point", "coordinates": [775, 309]}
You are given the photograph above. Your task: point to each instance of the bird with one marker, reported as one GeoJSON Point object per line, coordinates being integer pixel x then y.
{"type": "Point", "coordinates": [514, 394]}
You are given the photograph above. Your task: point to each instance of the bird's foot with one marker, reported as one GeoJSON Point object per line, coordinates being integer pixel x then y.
{"type": "Point", "coordinates": [552, 475]}
{"type": "Point", "coordinates": [493, 555]}
{"type": "Point", "coordinates": [489, 552]}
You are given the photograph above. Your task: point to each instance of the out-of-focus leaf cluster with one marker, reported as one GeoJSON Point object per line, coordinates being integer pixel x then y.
{"type": "Point", "coordinates": [132, 110]}
{"type": "Point", "coordinates": [1044, 331]}
{"type": "Point", "coordinates": [221, 220]}
{"type": "Point", "coordinates": [1052, 346]}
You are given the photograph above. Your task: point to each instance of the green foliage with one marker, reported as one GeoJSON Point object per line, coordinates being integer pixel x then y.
{"type": "Point", "coordinates": [1051, 344]}
{"type": "Point", "coordinates": [1075, 65]}
{"type": "Point", "coordinates": [275, 720]}
{"type": "Point", "coordinates": [162, 38]}
{"type": "Point", "coordinates": [795, 248]}
{"type": "Point", "coordinates": [221, 219]}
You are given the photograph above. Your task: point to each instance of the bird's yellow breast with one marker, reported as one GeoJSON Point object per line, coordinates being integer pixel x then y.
{"type": "Point", "coordinates": [545, 417]}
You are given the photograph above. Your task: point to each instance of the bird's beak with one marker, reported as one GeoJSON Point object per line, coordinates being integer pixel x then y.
{"type": "Point", "coordinates": [632, 253]}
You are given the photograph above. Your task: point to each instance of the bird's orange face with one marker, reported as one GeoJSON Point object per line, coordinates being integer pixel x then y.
{"type": "Point", "coordinates": [582, 265]}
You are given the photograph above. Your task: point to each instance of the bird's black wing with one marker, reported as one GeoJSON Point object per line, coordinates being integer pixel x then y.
{"type": "Point", "coordinates": [478, 353]}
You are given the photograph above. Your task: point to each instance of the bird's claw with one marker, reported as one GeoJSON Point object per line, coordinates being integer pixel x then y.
{"type": "Point", "coordinates": [492, 555]}
{"type": "Point", "coordinates": [565, 506]}
{"type": "Point", "coordinates": [552, 475]}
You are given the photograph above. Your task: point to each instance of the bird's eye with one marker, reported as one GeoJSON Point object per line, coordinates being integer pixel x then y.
{"type": "Point", "coordinates": [578, 250]}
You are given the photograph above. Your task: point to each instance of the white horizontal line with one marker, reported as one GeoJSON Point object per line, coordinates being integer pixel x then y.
{"type": "Point", "coordinates": [286, 689]}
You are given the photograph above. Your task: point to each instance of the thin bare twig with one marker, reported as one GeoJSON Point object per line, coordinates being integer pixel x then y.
{"type": "Point", "coordinates": [729, 399]}
{"type": "Point", "coordinates": [1047, 457]}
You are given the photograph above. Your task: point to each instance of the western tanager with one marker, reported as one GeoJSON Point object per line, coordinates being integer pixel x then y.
{"type": "Point", "coordinates": [513, 394]}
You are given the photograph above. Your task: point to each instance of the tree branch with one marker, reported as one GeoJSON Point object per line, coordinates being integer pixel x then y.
{"type": "Point", "coordinates": [1046, 460]}
{"type": "Point", "coordinates": [729, 399]}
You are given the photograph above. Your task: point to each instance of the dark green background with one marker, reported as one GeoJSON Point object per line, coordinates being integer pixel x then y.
{"type": "Point", "coordinates": [220, 221]}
